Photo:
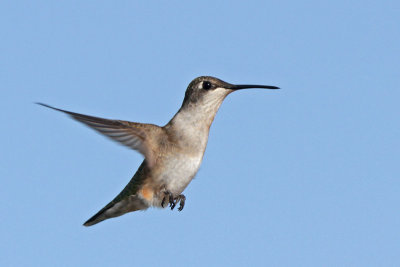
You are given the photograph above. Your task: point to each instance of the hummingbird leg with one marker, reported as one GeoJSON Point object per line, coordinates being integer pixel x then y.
{"type": "Point", "coordinates": [166, 194]}
{"type": "Point", "coordinates": [176, 200]}
{"type": "Point", "coordinates": [181, 199]}
{"type": "Point", "coordinates": [171, 199]}
{"type": "Point", "coordinates": [163, 202]}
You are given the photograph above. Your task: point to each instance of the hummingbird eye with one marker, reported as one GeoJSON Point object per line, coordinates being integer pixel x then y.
{"type": "Point", "coordinates": [207, 85]}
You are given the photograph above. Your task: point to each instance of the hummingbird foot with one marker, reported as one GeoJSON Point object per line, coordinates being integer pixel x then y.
{"type": "Point", "coordinates": [181, 199]}
{"type": "Point", "coordinates": [167, 194]}
{"type": "Point", "coordinates": [173, 201]}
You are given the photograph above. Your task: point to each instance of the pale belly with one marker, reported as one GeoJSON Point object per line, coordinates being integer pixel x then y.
{"type": "Point", "coordinates": [179, 171]}
{"type": "Point", "coordinates": [174, 176]}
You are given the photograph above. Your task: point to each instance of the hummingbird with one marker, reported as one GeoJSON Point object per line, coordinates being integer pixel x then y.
{"type": "Point", "coordinates": [172, 153]}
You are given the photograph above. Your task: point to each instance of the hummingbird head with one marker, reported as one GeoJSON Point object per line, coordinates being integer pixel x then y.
{"type": "Point", "coordinates": [210, 90]}
{"type": "Point", "coordinates": [203, 98]}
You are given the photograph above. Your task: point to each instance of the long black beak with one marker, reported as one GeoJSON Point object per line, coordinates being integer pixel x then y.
{"type": "Point", "coordinates": [247, 86]}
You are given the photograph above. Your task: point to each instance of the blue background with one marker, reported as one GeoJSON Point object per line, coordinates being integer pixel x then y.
{"type": "Point", "coordinates": [303, 176]}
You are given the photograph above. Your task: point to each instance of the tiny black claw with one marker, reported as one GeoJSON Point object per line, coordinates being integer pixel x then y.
{"type": "Point", "coordinates": [182, 199]}
{"type": "Point", "coordinates": [163, 202]}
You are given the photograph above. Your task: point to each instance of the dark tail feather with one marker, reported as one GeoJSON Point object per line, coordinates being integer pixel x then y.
{"type": "Point", "coordinates": [98, 217]}
{"type": "Point", "coordinates": [115, 209]}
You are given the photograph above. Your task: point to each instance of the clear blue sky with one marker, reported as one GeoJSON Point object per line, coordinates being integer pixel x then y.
{"type": "Point", "coordinates": [305, 176]}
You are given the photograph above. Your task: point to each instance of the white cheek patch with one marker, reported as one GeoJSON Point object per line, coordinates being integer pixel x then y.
{"type": "Point", "coordinates": [220, 91]}
{"type": "Point", "coordinates": [215, 96]}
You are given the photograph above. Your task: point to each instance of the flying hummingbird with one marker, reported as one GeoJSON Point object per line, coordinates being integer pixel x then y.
{"type": "Point", "coordinates": [172, 153]}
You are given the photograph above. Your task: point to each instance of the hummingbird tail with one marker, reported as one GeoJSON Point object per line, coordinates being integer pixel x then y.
{"type": "Point", "coordinates": [115, 209]}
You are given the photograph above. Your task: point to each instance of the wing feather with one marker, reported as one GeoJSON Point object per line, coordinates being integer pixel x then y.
{"type": "Point", "coordinates": [130, 134]}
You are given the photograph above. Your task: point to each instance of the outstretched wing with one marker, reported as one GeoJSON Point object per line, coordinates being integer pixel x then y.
{"type": "Point", "coordinates": [131, 134]}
